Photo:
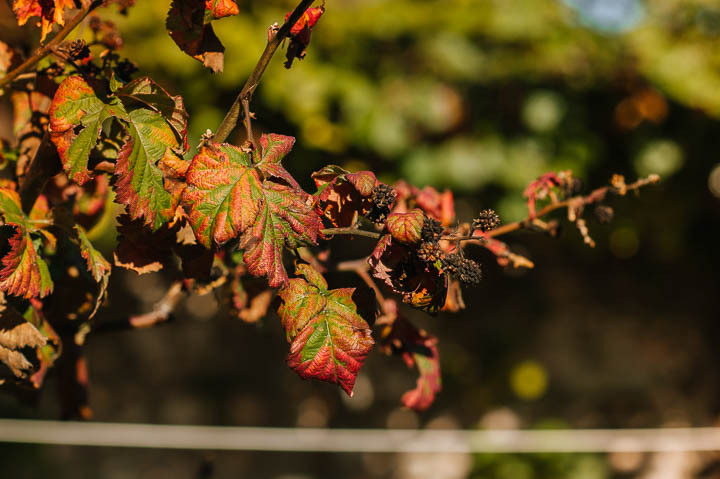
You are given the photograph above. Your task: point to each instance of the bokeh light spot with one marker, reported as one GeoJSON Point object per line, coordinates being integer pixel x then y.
{"type": "Point", "coordinates": [529, 380]}
{"type": "Point", "coordinates": [714, 181]}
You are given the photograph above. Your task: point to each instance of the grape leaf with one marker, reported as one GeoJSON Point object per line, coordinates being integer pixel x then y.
{"type": "Point", "coordinates": [406, 227]}
{"type": "Point", "coordinates": [417, 349]}
{"type": "Point", "coordinates": [189, 25]}
{"type": "Point", "coordinates": [150, 170]}
{"type": "Point", "coordinates": [77, 113]}
{"type": "Point", "coordinates": [224, 193]}
{"type": "Point", "coordinates": [24, 273]}
{"type": "Point", "coordinates": [329, 340]}
{"type": "Point", "coordinates": [342, 196]}
{"type": "Point", "coordinates": [227, 196]}
{"type": "Point", "coordinates": [49, 11]}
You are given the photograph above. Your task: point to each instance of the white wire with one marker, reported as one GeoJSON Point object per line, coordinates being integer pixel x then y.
{"type": "Point", "coordinates": [357, 440]}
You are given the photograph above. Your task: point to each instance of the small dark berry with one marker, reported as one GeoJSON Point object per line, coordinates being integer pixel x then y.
{"type": "Point", "coordinates": [429, 252]}
{"type": "Point", "coordinates": [464, 269]}
{"type": "Point", "coordinates": [604, 214]}
{"type": "Point", "coordinates": [487, 220]}
{"type": "Point", "coordinates": [383, 198]}
{"type": "Point", "coordinates": [431, 230]}
{"type": "Point", "coordinates": [78, 50]}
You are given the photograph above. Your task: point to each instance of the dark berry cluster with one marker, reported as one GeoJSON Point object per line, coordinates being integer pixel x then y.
{"type": "Point", "coordinates": [487, 220]}
{"type": "Point", "coordinates": [604, 214]}
{"type": "Point", "coordinates": [464, 269]}
{"type": "Point", "coordinates": [429, 252]}
{"type": "Point", "coordinates": [431, 230]}
{"type": "Point", "coordinates": [383, 198]}
{"type": "Point", "coordinates": [78, 50]}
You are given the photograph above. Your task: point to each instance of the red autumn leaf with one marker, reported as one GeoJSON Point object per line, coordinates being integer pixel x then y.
{"type": "Point", "coordinates": [329, 340]}
{"type": "Point", "coordinates": [215, 9]}
{"type": "Point", "coordinates": [274, 148]}
{"type": "Point", "coordinates": [343, 196]}
{"type": "Point", "coordinates": [189, 25]}
{"type": "Point", "coordinates": [406, 227]}
{"type": "Point", "coordinates": [228, 197]}
{"type": "Point", "coordinates": [24, 273]}
{"type": "Point", "coordinates": [419, 350]}
{"type": "Point", "coordinates": [300, 33]}
{"type": "Point", "coordinates": [421, 285]}
{"type": "Point", "coordinates": [49, 11]}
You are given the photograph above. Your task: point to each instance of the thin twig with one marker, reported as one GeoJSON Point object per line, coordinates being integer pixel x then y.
{"type": "Point", "coordinates": [350, 231]}
{"type": "Point", "coordinates": [593, 197]}
{"type": "Point", "coordinates": [275, 37]}
{"type": "Point", "coordinates": [160, 314]}
{"type": "Point", "coordinates": [44, 51]}
{"type": "Point", "coordinates": [248, 123]}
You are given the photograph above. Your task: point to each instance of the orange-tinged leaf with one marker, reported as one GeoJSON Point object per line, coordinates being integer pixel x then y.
{"type": "Point", "coordinates": [228, 197]}
{"type": "Point", "coordinates": [329, 340]}
{"type": "Point", "coordinates": [300, 33]}
{"type": "Point", "coordinates": [215, 9]}
{"type": "Point", "coordinates": [77, 113]}
{"type": "Point", "coordinates": [224, 196]}
{"type": "Point", "coordinates": [406, 227]}
{"type": "Point", "coordinates": [49, 11]}
{"type": "Point", "coordinates": [23, 273]}
{"type": "Point", "coordinates": [149, 170]}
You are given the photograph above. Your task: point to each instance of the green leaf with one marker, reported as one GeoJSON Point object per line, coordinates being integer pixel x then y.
{"type": "Point", "coordinates": [24, 273]}
{"type": "Point", "coordinates": [329, 340]}
{"type": "Point", "coordinates": [227, 197]}
{"type": "Point", "coordinates": [77, 113]}
{"type": "Point", "coordinates": [150, 170]}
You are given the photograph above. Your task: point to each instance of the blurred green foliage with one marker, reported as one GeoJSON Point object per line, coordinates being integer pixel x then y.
{"type": "Point", "coordinates": [458, 93]}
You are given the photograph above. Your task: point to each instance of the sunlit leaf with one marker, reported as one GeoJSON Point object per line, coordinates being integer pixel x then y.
{"type": "Point", "coordinates": [227, 197]}
{"type": "Point", "coordinates": [329, 340]}
{"type": "Point", "coordinates": [24, 273]}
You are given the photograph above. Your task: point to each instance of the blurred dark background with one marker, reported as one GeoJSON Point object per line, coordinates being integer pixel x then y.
{"type": "Point", "coordinates": [479, 96]}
